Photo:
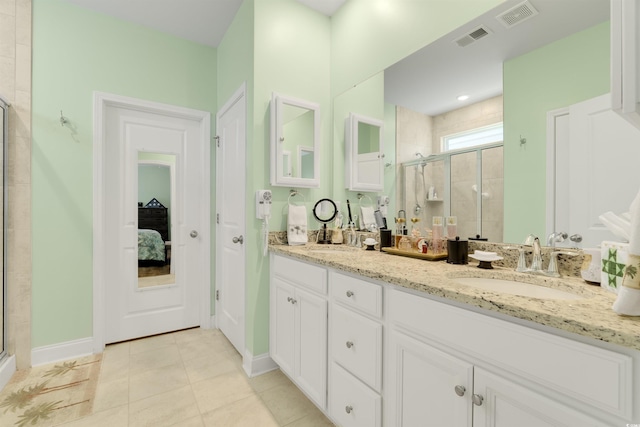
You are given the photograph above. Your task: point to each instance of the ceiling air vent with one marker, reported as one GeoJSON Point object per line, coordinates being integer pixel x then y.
{"type": "Point", "coordinates": [474, 35]}
{"type": "Point", "coordinates": [517, 14]}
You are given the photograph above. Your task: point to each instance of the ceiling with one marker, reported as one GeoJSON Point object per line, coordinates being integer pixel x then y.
{"type": "Point", "coordinates": [201, 21]}
{"type": "Point", "coordinates": [427, 81]}
{"type": "Point", "coordinates": [430, 80]}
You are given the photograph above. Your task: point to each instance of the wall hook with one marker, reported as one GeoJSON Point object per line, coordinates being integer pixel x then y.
{"type": "Point", "coordinates": [63, 119]}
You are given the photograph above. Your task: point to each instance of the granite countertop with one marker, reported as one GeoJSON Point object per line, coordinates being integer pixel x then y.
{"type": "Point", "coordinates": [590, 316]}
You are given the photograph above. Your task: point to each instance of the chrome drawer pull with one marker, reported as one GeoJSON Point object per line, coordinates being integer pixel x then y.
{"type": "Point", "coordinates": [349, 294]}
{"type": "Point", "coordinates": [348, 408]}
{"type": "Point", "coordinates": [460, 390]}
{"type": "Point", "coordinates": [349, 344]}
{"type": "Point", "coordinates": [477, 399]}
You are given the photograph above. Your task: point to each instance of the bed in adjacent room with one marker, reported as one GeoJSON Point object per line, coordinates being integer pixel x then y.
{"type": "Point", "coordinates": [151, 247]}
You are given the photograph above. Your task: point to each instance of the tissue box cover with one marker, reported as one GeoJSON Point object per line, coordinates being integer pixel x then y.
{"type": "Point", "coordinates": [614, 259]}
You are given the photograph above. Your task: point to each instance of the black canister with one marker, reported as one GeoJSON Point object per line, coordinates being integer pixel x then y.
{"type": "Point", "coordinates": [386, 239]}
{"type": "Point", "coordinates": [457, 251]}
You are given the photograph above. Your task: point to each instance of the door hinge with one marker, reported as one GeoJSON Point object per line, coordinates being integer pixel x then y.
{"type": "Point", "coordinates": [217, 218]}
{"type": "Point", "coordinates": [217, 138]}
{"type": "Point", "coordinates": [217, 295]}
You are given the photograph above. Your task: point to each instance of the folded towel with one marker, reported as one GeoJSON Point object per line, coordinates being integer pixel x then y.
{"type": "Point", "coordinates": [628, 301]}
{"type": "Point", "coordinates": [367, 218]}
{"type": "Point", "coordinates": [297, 225]}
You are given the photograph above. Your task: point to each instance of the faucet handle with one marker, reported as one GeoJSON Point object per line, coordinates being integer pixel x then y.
{"type": "Point", "coordinates": [522, 261]}
{"type": "Point", "coordinates": [552, 270]}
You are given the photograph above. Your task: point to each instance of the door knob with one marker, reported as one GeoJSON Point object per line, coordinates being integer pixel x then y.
{"type": "Point", "coordinates": [576, 238]}
{"type": "Point", "coordinates": [460, 390]}
{"type": "Point", "coordinates": [477, 399]}
{"type": "Point", "coordinates": [193, 234]}
{"type": "Point", "coordinates": [238, 239]}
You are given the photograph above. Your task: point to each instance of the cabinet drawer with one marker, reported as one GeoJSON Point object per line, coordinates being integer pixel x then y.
{"type": "Point", "coordinates": [593, 375]}
{"type": "Point", "coordinates": [301, 273]}
{"type": "Point", "coordinates": [356, 344]}
{"type": "Point", "coordinates": [353, 403]}
{"type": "Point", "coordinates": [356, 293]}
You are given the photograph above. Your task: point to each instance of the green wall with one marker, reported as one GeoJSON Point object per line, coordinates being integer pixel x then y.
{"type": "Point", "coordinates": [562, 73]}
{"type": "Point", "coordinates": [76, 52]}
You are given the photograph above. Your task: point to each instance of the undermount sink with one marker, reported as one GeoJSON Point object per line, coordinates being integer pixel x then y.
{"type": "Point", "coordinates": [516, 288]}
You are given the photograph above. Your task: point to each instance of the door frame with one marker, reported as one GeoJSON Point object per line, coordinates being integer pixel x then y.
{"type": "Point", "coordinates": [552, 116]}
{"type": "Point", "coordinates": [101, 102]}
{"type": "Point", "coordinates": [240, 95]}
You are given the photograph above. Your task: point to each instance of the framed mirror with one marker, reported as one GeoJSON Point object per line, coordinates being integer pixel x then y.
{"type": "Point", "coordinates": [295, 131]}
{"type": "Point", "coordinates": [364, 154]}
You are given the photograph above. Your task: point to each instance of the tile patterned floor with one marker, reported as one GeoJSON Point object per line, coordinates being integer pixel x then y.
{"type": "Point", "coordinates": [192, 378]}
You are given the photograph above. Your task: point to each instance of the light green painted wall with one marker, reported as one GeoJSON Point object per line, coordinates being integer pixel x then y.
{"type": "Point", "coordinates": [291, 57]}
{"type": "Point", "coordinates": [562, 73]}
{"type": "Point", "coordinates": [76, 52]}
{"type": "Point", "coordinates": [370, 35]}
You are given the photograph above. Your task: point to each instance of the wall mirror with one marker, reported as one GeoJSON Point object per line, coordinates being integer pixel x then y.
{"type": "Point", "coordinates": [156, 196]}
{"type": "Point", "coordinates": [426, 84]}
{"type": "Point", "coordinates": [4, 138]}
{"type": "Point", "coordinates": [295, 131]}
{"type": "Point", "coordinates": [364, 153]}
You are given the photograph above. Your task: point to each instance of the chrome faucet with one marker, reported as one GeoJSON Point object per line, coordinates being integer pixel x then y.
{"type": "Point", "coordinates": [536, 262]}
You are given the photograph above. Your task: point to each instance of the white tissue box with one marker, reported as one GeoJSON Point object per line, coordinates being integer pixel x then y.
{"type": "Point", "coordinates": [614, 259]}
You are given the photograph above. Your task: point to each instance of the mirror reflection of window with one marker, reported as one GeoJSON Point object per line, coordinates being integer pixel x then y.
{"type": "Point", "coordinates": [298, 132]}
{"type": "Point", "coordinates": [156, 188]}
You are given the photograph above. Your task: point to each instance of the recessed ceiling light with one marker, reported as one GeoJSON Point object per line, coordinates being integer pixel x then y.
{"type": "Point", "coordinates": [463, 97]}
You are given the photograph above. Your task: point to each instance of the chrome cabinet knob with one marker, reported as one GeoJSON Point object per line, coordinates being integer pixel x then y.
{"type": "Point", "coordinates": [193, 234]}
{"type": "Point", "coordinates": [576, 238]}
{"type": "Point", "coordinates": [349, 294]}
{"type": "Point", "coordinates": [289, 299]}
{"type": "Point", "coordinates": [348, 409]}
{"type": "Point", "coordinates": [349, 344]}
{"type": "Point", "coordinates": [238, 239]}
{"type": "Point", "coordinates": [460, 390]}
{"type": "Point", "coordinates": [477, 399]}
{"type": "Point", "coordinates": [293, 301]}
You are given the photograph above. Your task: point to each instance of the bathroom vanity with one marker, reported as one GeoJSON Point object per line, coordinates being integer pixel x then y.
{"type": "Point", "coordinates": [379, 340]}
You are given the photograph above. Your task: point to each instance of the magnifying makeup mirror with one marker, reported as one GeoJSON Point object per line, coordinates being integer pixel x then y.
{"type": "Point", "coordinates": [324, 211]}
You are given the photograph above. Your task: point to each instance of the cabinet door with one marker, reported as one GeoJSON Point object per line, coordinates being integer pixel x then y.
{"type": "Point", "coordinates": [311, 346]}
{"type": "Point", "coordinates": [423, 383]}
{"type": "Point", "coordinates": [282, 331]}
{"type": "Point", "coordinates": [506, 404]}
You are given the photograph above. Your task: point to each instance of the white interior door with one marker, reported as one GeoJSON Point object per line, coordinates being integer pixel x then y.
{"type": "Point", "coordinates": [596, 170]}
{"type": "Point", "coordinates": [133, 307]}
{"type": "Point", "coordinates": [230, 207]}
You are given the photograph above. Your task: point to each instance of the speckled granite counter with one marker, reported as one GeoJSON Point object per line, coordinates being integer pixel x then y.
{"type": "Point", "coordinates": [591, 316]}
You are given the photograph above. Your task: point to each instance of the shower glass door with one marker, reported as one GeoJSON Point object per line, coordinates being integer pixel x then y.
{"type": "Point", "coordinates": [3, 193]}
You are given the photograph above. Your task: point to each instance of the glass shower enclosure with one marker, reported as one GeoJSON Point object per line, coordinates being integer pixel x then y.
{"type": "Point", "coordinates": [466, 183]}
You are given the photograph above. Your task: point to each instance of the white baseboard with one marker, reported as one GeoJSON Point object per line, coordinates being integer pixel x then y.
{"type": "Point", "coordinates": [7, 369]}
{"type": "Point", "coordinates": [63, 351]}
{"type": "Point", "coordinates": [257, 365]}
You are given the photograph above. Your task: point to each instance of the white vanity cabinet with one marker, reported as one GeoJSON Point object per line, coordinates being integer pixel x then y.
{"type": "Point", "coordinates": [298, 324]}
{"type": "Point", "coordinates": [450, 366]}
{"type": "Point", "coordinates": [355, 342]}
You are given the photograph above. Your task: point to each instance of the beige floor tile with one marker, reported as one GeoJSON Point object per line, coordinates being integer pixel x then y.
{"type": "Point", "coordinates": [269, 380]}
{"type": "Point", "coordinates": [221, 390]}
{"type": "Point", "coordinates": [114, 417]}
{"type": "Point", "coordinates": [118, 349]}
{"type": "Point", "coordinates": [250, 411]}
{"type": "Point", "coordinates": [111, 394]}
{"type": "Point", "coordinates": [151, 343]}
{"type": "Point", "coordinates": [314, 420]}
{"type": "Point", "coordinates": [193, 334]}
{"type": "Point", "coordinates": [165, 409]}
{"type": "Point", "coordinates": [191, 422]}
{"type": "Point", "coordinates": [156, 381]}
{"type": "Point", "coordinates": [287, 403]}
{"type": "Point", "coordinates": [153, 359]}
{"type": "Point", "coordinates": [114, 366]}
{"type": "Point", "coordinates": [209, 366]}
{"type": "Point", "coordinates": [198, 348]}
{"type": "Point", "coordinates": [223, 342]}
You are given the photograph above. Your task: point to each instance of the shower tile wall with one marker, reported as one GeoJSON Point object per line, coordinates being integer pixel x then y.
{"type": "Point", "coordinates": [15, 86]}
{"type": "Point", "coordinates": [411, 137]}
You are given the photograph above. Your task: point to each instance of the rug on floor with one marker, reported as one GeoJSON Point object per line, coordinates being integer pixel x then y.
{"type": "Point", "coordinates": [50, 394]}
